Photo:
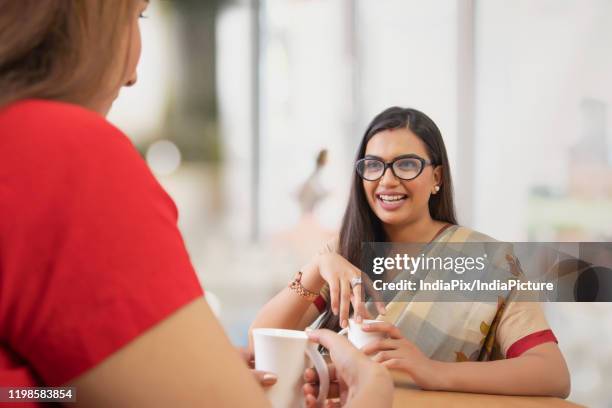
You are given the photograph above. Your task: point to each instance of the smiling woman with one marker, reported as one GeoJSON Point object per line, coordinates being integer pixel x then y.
{"type": "Point", "coordinates": [421, 179]}
{"type": "Point", "coordinates": [401, 192]}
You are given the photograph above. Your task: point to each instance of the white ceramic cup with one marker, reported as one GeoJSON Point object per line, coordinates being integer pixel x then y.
{"type": "Point", "coordinates": [357, 336]}
{"type": "Point", "coordinates": [283, 352]}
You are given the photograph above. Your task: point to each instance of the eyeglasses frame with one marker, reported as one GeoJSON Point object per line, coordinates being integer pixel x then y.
{"type": "Point", "coordinates": [387, 165]}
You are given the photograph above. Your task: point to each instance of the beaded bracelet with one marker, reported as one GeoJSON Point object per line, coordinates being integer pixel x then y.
{"type": "Point", "coordinates": [296, 286]}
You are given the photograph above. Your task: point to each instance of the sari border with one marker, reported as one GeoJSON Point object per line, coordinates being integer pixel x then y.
{"type": "Point", "coordinates": [530, 341]}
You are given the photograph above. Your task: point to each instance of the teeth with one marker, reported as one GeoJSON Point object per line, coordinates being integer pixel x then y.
{"type": "Point", "coordinates": [385, 197]}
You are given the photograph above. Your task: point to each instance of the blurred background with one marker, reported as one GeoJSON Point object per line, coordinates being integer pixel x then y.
{"type": "Point", "coordinates": [250, 112]}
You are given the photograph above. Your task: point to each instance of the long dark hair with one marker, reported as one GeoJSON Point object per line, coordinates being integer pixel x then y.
{"type": "Point", "coordinates": [359, 223]}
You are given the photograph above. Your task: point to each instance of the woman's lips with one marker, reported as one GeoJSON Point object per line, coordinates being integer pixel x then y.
{"type": "Point", "coordinates": [391, 202]}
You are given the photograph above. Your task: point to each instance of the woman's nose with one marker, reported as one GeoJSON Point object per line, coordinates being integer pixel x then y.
{"type": "Point", "coordinates": [132, 81]}
{"type": "Point", "coordinates": [389, 178]}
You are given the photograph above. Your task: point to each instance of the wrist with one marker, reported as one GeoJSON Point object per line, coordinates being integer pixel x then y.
{"type": "Point", "coordinates": [441, 376]}
{"type": "Point", "coordinates": [374, 383]}
{"type": "Point", "coordinates": [368, 373]}
{"type": "Point", "coordinates": [311, 278]}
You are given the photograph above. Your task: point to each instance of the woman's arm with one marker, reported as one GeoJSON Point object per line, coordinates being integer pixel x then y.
{"type": "Point", "coordinates": [185, 360]}
{"type": "Point", "coordinates": [288, 310]}
{"type": "Point", "coordinates": [539, 371]}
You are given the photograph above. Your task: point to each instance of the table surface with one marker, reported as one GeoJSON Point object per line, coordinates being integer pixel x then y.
{"type": "Point", "coordinates": [408, 395]}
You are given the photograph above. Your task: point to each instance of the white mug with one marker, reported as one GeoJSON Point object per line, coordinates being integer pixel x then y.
{"type": "Point", "coordinates": [283, 353]}
{"type": "Point", "coordinates": [357, 336]}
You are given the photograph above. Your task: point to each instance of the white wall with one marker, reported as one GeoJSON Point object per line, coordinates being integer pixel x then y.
{"type": "Point", "coordinates": [535, 62]}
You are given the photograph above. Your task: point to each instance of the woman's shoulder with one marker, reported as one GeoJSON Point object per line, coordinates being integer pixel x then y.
{"type": "Point", "coordinates": [63, 136]}
{"type": "Point", "coordinates": [460, 233]}
{"type": "Point", "coordinates": [467, 240]}
{"type": "Point", "coordinates": [55, 112]}
{"type": "Point", "coordinates": [62, 150]}
{"type": "Point", "coordinates": [41, 122]}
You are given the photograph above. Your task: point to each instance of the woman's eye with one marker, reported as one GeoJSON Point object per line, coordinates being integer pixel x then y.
{"type": "Point", "coordinates": [407, 164]}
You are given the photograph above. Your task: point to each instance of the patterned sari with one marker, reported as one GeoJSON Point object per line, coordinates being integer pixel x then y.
{"type": "Point", "coordinates": [471, 330]}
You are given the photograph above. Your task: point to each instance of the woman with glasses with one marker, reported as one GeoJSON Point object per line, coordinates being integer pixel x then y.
{"type": "Point", "coordinates": [402, 193]}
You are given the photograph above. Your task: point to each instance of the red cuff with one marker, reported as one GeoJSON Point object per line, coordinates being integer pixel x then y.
{"type": "Point", "coordinates": [530, 341]}
{"type": "Point", "coordinates": [320, 303]}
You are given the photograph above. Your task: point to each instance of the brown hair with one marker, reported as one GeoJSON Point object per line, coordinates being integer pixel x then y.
{"type": "Point", "coordinates": [66, 50]}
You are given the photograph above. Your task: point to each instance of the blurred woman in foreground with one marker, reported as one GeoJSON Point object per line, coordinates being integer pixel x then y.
{"type": "Point", "coordinates": [96, 287]}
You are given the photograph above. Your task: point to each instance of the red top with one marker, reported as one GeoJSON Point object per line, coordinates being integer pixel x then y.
{"type": "Point", "coordinates": [90, 255]}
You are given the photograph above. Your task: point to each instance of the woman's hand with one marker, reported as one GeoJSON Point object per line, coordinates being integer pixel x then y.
{"type": "Point", "coordinates": [354, 378]}
{"type": "Point", "coordinates": [397, 353]}
{"type": "Point", "coordinates": [338, 389]}
{"type": "Point", "coordinates": [264, 379]}
{"type": "Point", "coordinates": [338, 273]}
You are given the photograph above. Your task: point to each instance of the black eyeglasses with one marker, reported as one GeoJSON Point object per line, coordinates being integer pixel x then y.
{"type": "Point", "coordinates": [406, 167]}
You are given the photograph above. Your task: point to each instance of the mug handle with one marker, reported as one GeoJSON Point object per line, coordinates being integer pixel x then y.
{"type": "Point", "coordinates": [312, 350]}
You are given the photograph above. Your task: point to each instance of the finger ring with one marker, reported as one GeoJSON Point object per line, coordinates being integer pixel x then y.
{"type": "Point", "coordinates": [355, 281]}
